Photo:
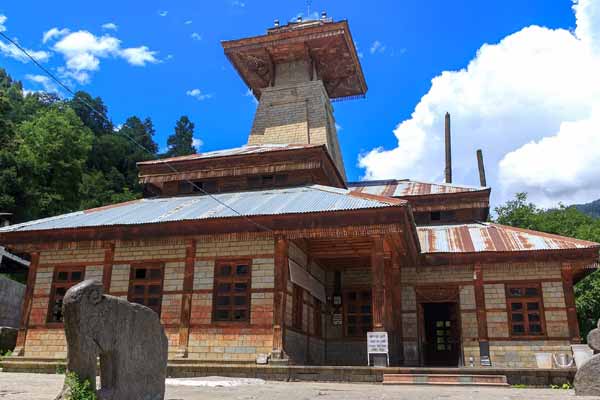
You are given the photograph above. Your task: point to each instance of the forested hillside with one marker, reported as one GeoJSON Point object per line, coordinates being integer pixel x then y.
{"type": "Point", "coordinates": [566, 221]}
{"type": "Point", "coordinates": [592, 209]}
{"type": "Point", "coordinates": [58, 156]}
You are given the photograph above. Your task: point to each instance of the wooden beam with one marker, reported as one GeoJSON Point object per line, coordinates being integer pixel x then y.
{"type": "Point", "coordinates": [482, 330]}
{"type": "Point", "coordinates": [378, 274]}
{"type": "Point", "coordinates": [396, 289]}
{"type": "Point", "coordinates": [186, 298]}
{"type": "Point", "coordinates": [280, 295]}
{"type": "Point", "coordinates": [107, 266]}
{"type": "Point", "coordinates": [567, 279]}
{"type": "Point", "coordinates": [26, 307]}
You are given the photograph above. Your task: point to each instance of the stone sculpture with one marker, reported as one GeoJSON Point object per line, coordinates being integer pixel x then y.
{"type": "Point", "coordinates": [128, 338]}
{"type": "Point", "coordinates": [587, 379]}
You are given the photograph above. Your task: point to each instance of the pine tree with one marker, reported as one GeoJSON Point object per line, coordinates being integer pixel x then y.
{"type": "Point", "coordinates": [181, 142]}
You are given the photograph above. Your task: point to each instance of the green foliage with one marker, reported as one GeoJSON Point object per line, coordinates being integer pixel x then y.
{"type": "Point", "coordinates": [181, 142]}
{"type": "Point", "coordinates": [61, 369]}
{"type": "Point", "coordinates": [565, 221]}
{"type": "Point", "coordinates": [520, 386]}
{"type": "Point", "coordinates": [59, 156]}
{"type": "Point", "coordinates": [592, 209]}
{"type": "Point", "coordinates": [7, 353]}
{"type": "Point", "coordinates": [78, 389]}
{"type": "Point", "coordinates": [564, 386]}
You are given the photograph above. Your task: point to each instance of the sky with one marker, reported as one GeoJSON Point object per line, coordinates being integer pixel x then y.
{"type": "Point", "coordinates": [521, 80]}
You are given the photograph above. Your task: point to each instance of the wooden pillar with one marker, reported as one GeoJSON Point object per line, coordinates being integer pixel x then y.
{"type": "Point", "coordinates": [378, 277]}
{"type": "Point", "coordinates": [186, 298]}
{"type": "Point", "coordinates": [567, 279]}
{"type": "Point", "coordinates": [482, 330]}
{"type": "Point", "coordinates": [109, 256]}
{"type": "Point", "coordinates": [396, 290]}
{"type": "Point", "coordinates": [280, 295]}
{"type": "Point", "coordinates": [26, 308]}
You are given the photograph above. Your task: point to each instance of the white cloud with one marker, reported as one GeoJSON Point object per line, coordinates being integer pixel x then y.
{"type": "Point", "coordinates": [197, 143]}
{"type": "Point", "coordinates": [530, 102]}
{"type": "Point", "coordinates": [110, 26]}
{"type": "Point", "coordinates": [139, 56]}
{"type": "Point", "coordinates": [169, 57]}
{"type": "Point", "coordinates": [44, 81]}
{"type": "Point", "coordinates": [338, 127]}
{"type": "Point", "coordinates": [237, 3]}
{"type": "Point", "coordinates": [83, 50]}
{"type": "Point", "coordinates": [198, 95]}
{"type": "Point", "coordinates": [54, 33]}
{"type": "Point", "coordinates": [10, 50]}
{"type": "Point", "coordinates": [188, 22]}
{"type": "Point", "coordinates": [377, 47]}
{"type": "Point", "coordinates": [196, 36]}
{"type": "Point", "coordinates": [163, 13]}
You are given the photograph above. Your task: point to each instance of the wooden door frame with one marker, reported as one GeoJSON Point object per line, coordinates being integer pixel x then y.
{"type": "Point", "coordinates": [437, 294]}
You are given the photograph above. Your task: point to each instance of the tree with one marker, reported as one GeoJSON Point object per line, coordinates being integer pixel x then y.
{"type": "Point", "coordinates": [53, 149]}
{"type": "Point", "coordinates": [96, 119]}
{"type": "Point", "coordinates": [181, 142]}
{"type": "Point", "coordinates": [142, 133]}
{"type": "Point", "coordinates": [565, 221]}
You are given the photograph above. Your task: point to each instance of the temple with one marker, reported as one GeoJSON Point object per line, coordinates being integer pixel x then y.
{"type": "Point", "coordinates": [266, 251]}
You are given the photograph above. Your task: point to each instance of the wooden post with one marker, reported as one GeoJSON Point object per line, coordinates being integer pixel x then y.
{"type": "Point", "coordinates": [280, 295]}
{"type": "Point", "coordinates": [378, 274]}
{"type": "Point", "coordinates": [480, 166]}
{"type": "Point", "coordinates": [396, 290]}
{"type": "Point", "coordinates": [26, 308]}
{"type": "Point", "coordinates": [448, 149]}
{"type": "Point", "coordinates": [186, 298]}
{"type": "Point", "coordinates": [482, 330]}
{"type": "Point", "coordinates": [109, 255]}
{"type": "Point", "coordinates": [567, 279]}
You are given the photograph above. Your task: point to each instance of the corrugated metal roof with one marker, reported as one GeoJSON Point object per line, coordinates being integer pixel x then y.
{"type": "Point", "coordinates": [400, 188]}
{"type": "Point", "coordinates": [480, 237]}
{"type": "Point", "coordinates": [306, 199]}
{"type": "Point", "coordinates": [237, 151]}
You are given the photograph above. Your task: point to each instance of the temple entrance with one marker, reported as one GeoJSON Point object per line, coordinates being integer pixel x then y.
{"type": "Point", "coordinates": [441, 345]}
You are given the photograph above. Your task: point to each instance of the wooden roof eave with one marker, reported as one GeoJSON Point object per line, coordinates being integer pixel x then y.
{"type": "Point", "coordinates": [310, 222]}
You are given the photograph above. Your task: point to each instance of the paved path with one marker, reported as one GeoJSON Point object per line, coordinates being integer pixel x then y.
{"type": "Point", "coordinates": [45, 387]}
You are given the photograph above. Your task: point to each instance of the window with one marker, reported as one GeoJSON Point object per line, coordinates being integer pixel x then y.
{"type": "Point", "coordinates": [145, 286]}
{"type": "Point", "coordinates": [266, 181]}
{"type": "Point", "coordinates": [63, 279]}
{"type": "Point", "coordinates": [358, 317]}
{"type": "Point", "coordinates": [525, 310]}
{"type": "Point", "coordinates": [205, 187]}
{"type": "Point", "coordinates": [231, 298]}
{"type": "Point", "coordinates": [317, 318]}
{"type": "Point", "coordinates": [298, 307]}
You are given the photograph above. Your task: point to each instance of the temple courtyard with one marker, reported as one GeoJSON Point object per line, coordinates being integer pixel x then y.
{"type": "Point", "coordinates": [22, 386]}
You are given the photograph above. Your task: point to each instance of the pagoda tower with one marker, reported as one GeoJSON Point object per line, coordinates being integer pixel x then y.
{"type": "Point", "coordinates": [295, 71]}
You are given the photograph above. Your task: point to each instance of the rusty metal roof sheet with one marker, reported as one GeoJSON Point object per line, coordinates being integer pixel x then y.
{"type": "Point", "coordinates": [487, 237]}
{"type": "Point", "coordinates": [237, 151]}
{"type": "Point", "coordinates": [402, 188]}
{"type": "Point", "coordinates": [305, 199]}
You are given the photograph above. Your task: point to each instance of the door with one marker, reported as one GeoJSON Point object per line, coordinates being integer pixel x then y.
{"type": "Point", "coordinates": [442, 343]}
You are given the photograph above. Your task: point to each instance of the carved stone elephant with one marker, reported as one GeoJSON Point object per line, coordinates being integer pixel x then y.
{"type": "Point", "coordinates": [128, 338]}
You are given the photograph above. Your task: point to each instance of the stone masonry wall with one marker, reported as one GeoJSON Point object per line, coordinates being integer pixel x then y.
{"type": "Point", "coordinates": [11, 299]}
{"type": "Point", "coordinates": [235, 342]}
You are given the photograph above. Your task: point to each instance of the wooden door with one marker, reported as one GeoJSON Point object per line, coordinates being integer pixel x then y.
{"type": "Point", "coordinates": [442, 340]}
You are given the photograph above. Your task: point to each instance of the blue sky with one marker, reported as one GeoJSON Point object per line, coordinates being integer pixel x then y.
{"type": "Point", "coordinates": [404, 45]}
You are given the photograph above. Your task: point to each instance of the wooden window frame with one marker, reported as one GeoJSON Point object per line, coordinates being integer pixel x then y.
{"type": "Point", "coordinates": [133, 281]}
{"type": "Point", "coordinates": [217, 279]}
{"type": "Point", "coordinates": [524, 300]}
{"type": "Point", "coordinates": [346, 304]}
{"type": "Point", "coordinates": [297, 307]}
{"type": "Point", "coordinates": [56, 284]}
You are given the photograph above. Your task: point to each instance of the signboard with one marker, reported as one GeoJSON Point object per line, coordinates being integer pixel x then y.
{"type": "Point", "coordinates": [337, 319]}
{"type": "Point", "coordinates": [302, 278]}
{"type": "Point", "coordinates": [377, 343]}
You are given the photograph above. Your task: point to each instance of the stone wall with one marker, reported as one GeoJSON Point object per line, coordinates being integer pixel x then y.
{"type": "Point", "coordinates": [11, 300]}
{"type": "Point", "coordinates": [227, 341]}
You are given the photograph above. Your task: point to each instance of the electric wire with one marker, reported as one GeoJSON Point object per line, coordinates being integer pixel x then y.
{"type": "Point", "coordinates": [131, 139]}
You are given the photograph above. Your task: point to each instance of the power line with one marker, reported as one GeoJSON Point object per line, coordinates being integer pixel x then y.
{"type": "Point", "coordinates": [101, 115]}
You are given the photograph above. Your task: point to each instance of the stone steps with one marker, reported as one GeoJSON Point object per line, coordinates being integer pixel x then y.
{"type": "Point", "coordinates": [445, 379]}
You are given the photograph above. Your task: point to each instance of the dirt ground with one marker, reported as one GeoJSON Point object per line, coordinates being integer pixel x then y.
{"type": "Point", "coordinates": [45, 387]}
